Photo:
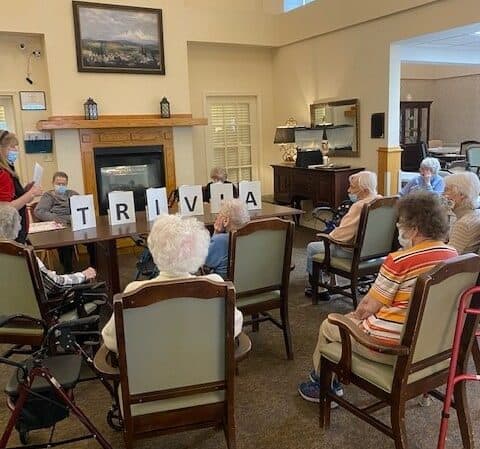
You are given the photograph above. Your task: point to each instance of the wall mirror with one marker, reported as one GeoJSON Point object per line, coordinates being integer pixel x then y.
{"type": "Point", "coordinates": [338, 122]}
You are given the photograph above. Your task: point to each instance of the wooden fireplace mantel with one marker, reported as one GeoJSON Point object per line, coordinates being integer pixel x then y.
{"type": "Point", "coordinates": [119, 121]}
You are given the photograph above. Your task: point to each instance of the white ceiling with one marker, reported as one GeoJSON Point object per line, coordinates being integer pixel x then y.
{"type": "Point", "coordinates": [457, 45]}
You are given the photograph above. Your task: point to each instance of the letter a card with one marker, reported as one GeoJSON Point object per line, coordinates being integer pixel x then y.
{"type": "Point", "coordinates": [251, 194]}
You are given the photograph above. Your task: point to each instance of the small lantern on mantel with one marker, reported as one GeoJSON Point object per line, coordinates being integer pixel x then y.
{"type": "Point", "coordinates": [164, 108]}
{"type": "Point", "coordinates": [91, 109]}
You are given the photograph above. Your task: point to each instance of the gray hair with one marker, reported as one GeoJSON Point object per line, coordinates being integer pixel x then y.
{"type": "Point", "coordinates": [366, 180]}
{"type": "Point", "coordinates": [10, 222]}
{"type": "Point", "coordinates": [431, 163]}
{"type": "Point", "coordinates": [178, 245]}
{"type": "Point", "coordinates": [467, 185]}
{"type": "Point", "coordinates": [236, 210]}
{"type": "Point", "coordinates": [219, 173]}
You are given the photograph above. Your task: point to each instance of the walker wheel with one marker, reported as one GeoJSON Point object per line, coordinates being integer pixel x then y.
{"type": "Point", "coordinates": [23, 434]}
{"type": "Point", "coordinates": [114, 420]}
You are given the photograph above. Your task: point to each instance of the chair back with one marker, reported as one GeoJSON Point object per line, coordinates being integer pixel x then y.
{"type": "Point", "coordinates": [465, 145]}
{"type": "Point", "coordinates": [431, 320]}
{"type": "Point", "coordinates": [376, 229]}
{"type": "Point", "coordinates": [259, 256]}
{"type": "Point", "coordinates": [473, 155]}
{"type": "Point", "coordinates": [412, 155]}
{"type": "Point", "coordinates": [22, 290]}
{"type": "Point", "coordinates": [175, 339]}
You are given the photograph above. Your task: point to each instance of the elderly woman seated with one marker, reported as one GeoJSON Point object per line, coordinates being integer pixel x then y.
{"type": "Point", "coordinates": [179, 247]}
{"type": "Point", "coordinates": [232, 215]}
{"type": "Point", "coordinates": [428, 179]}
{"type": "Point", "coordinates": [362, 190]}
{"type": "Point", "coordinates": [218, 175]}
{"type": "Point", "coordinates": [53, 283]}
{"type": "Point", "coordinates": [462, 191]}
{"type": "Point", "coordinates": [422, 226]}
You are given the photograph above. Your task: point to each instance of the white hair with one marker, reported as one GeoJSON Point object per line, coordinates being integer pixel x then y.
{"type": "Point", "coordinates": [218, 173]}
{"type": "Point", "coordinates": [432, 164]}
{"type": "Point", "coordinates": [10, 222]}
{"type": "Point", "coordinates": [236, 210]}
{"type": "Point", "coordinates": [178, 245]}
{"type": "Point", "coordinates": [467, 185]}
{"type": "Point", "coordinates": [366, 180]}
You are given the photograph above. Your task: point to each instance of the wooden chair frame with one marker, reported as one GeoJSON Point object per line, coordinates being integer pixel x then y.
{"type": "Point", "coordinates": [402, 391]}
{"type": "Point", "coordinates": [356, 247]}
{"type": "Point", "coordinates": [259, 311]}
{"type": "Point", "coordinates": [209, 415]}
{"type": "Point", "coordinates": [34, 339]}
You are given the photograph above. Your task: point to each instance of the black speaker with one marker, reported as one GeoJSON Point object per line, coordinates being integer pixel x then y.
{"type": "Point", "coordinates": [378, 125]}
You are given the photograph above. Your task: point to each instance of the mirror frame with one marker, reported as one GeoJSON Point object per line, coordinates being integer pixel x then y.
{"type": "Point", "coordinates": [353, 102]}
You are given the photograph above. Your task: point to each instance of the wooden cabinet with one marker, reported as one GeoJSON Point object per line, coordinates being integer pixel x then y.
{"type": "Point", "coordinates": [414, 121]}
{"type": "Point", "coordinates": [322, 186]}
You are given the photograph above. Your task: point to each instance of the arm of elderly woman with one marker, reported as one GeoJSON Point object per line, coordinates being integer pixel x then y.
{"type": "Point", "coordinates": [348, 227]}
{"type": "Point", "coordinates": [367, 307]}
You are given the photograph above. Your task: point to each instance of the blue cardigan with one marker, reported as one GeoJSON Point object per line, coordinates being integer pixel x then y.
{"type": "Point", "coordinates": [436, 185]}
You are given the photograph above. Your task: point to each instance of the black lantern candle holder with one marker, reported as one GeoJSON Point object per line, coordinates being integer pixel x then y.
{"type": "Point", "coordinates": [90, 109]}
{"type": "Point", "coordinates": [164, 108]}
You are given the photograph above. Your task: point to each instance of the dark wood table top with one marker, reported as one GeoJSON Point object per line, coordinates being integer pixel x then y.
{"type": "Point", "coordinates": [105, 232]}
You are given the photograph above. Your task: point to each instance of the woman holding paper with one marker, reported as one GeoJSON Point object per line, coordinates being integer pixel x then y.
{"type": "Point", "coordinates": [11, 191]}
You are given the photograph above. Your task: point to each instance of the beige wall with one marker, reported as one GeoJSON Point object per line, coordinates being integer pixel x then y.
{"type": "Point", "coordinates": [355, 63]}
{"type": "Point", "coordinates": [13, 70]}
{"type": "Point", "coordinates": [437, 71]}
{"type": "Point", "coordinates": [233, 70]}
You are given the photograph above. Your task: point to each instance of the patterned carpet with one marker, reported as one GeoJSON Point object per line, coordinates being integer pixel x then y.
{"type": "Point", "coordinates": [269, 412]}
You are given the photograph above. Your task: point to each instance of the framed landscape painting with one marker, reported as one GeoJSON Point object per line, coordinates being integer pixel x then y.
{"type": "Point", "coordinates": [118, 39]}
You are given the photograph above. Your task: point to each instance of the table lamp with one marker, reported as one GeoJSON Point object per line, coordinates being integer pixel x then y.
{"type": "Point", "coordinates": [285, 137]}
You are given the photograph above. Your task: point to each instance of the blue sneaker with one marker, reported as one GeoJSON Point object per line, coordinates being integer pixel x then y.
{"type": "Point", "coordinates": [310, 391]}
{"type": "Point", "coordinates": [337, 387]}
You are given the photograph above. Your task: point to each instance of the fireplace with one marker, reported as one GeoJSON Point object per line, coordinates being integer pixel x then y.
{"type": "Point", "coordinates": [128, 168]}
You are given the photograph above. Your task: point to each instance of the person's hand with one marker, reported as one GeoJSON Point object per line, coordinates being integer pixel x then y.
{"type": "Point", "coordinates": [29, 186]}
{"type": "Point", "coordinates": [427, 176]}
{"type": "Point", "coordinates": [89, 273]}
{"type": "Point", "coordinates": [362, 311]}
{"type": "Point", "coordinates": [35, 190]}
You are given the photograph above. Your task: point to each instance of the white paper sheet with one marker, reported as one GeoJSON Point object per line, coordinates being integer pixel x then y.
{"type": "Point", "coordinates": [37, 173]}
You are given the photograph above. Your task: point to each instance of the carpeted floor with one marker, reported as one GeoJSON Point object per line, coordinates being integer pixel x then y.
{"type": "Point", "coordinates": [269, 412]}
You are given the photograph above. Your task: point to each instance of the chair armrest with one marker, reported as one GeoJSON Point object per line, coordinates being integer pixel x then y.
{"type": "Point", "coordinates": [326, 238]}
{"type": "Point", "coordinates": [364, 339]}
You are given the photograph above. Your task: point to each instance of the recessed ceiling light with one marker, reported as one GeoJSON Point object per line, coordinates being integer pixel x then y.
{"type": "Point", "coordinates": [477, 32]}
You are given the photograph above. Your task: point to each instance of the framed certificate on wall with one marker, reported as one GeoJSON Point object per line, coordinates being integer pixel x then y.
{"type": "Point", "coordinates": [33, 100]}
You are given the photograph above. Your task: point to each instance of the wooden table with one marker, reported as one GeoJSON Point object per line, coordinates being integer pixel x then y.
{"type": "Point", "coordinates": [104, 237]}
{"type": "Point", "coordinates": [324, 186]}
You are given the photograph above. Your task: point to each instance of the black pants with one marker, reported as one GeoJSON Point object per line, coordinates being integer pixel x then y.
{"type": "Point", "coordinates": [65, 254]}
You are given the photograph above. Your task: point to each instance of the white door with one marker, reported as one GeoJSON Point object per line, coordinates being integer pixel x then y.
{"type": "Point", "coordinates": [232, 141]}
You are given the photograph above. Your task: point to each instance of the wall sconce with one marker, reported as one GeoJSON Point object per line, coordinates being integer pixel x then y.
{"type": "Point", "coordinates": [285, 137]}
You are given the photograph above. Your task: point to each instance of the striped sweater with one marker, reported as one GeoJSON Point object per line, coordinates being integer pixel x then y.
{"type": "Point", "coordinates": [394, 286]}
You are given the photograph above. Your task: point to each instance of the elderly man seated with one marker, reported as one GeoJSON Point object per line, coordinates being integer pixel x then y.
{"type": "Point", "coordinates": [362, 190]}
{"type": "Point", "coordinates": [462, 191]}
{"type": "Point", "coordinates": [54, 205]}
{"type": "Point", "coordinates": [422, 226]}
{"type": "Point", "coordinates": [53, 283]}
{"type": "Point", "coordinates": [428, 179]}
{"type": "Point", "coordinates": [232, 216]}
{"type": "Point", "coordinates": [179, 247]}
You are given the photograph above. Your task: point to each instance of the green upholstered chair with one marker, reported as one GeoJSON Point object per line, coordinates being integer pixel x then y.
{"type": "Point", "coordinates": [422, 356]}
{"type": "Point", "coordinates": [373, 242]}
{"type": "Point", "coordinates": [176, 357]}
{"type": "Point", "coordinates": [23, 294]}
{"type": "Point", "coordinates": [473, 158]}
{"type": "Point", "coordinates": [259, 265]}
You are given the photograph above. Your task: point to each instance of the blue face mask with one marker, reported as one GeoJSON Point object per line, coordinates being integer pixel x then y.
{"type": "Point", "coordinates": [60, 189]}
{"type": "Point", "coordinates": [12, 156]}
{"type": "Point", "coordinates": [353, 197]}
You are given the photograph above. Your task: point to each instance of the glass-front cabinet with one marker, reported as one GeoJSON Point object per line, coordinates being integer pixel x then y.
{"type": "Point", "coordinates": [414, 121]}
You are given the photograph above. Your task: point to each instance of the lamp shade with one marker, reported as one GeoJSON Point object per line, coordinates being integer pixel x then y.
{"type": "Point", "coordinates": [284, 134]}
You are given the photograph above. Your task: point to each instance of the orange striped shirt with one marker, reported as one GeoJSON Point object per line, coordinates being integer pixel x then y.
{"type": "Point", "coordinates": [394, 286]}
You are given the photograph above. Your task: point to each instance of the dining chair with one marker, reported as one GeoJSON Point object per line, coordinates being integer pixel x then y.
{"type": "Point", "coordinates": [421, 358]}
{"type": "Point", "coordinates": [176, 358]}
{"type": "Point", "coordinates": [260, 255]}
{"type": "Point", "coordinates": [373, 242]}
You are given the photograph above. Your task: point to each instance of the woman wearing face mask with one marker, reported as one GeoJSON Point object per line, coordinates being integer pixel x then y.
{"type": "Point", "coordinates": [462, 191]}
{"type": "Point", "coordinates": [11, 191]}
{"type": "Point", "coordinates": [428, 179]}
{"type": "Point", "coordinates": [362, 190]}
{"type": "Point", "coordinates": [422, 226]}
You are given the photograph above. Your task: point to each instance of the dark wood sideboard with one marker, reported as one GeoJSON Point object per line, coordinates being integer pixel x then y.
{"type": "Point", "coordinates": [321, 185]}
